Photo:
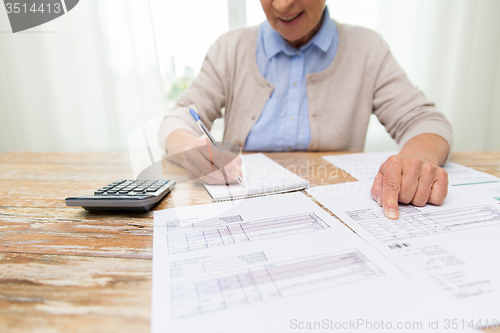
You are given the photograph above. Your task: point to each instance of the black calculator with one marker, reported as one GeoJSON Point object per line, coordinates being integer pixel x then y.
{"type": "Point", "coordinates": [125, 195]}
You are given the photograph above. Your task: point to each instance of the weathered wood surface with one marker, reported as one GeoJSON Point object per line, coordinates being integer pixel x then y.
{"type": "Point", "coordinates": [63, 269]}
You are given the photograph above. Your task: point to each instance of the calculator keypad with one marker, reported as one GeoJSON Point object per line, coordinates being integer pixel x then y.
{"type": "Point", "coordinates": [131, 187]}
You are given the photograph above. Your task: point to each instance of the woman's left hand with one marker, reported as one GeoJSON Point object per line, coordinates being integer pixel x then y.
{"type": "Point", "coordinates": [408, 179]}
{"type": "Point", "coordinates": [413, 176]}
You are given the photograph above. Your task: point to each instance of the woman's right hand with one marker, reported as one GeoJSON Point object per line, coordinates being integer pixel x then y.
{"type": "Point", "coordinates": [205, 163]}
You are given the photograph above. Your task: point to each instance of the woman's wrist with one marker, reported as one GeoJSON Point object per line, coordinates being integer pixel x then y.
{"type": "Point", "coordinates": [178, 140]}
{"type": "Point", "coordinates": [429, 147]}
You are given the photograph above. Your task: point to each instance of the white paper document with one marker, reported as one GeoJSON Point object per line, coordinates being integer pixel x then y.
{"type": "Point", "coordinates": [459, 175]}
{"type": "Point", "coordinates": [362, 166]}
{"type": "Point", "coordinates": [365, 166]}
{"type": "Point", "coordinates": [451, 249]}
{"type": "Point", "coordinates": [278, 264]}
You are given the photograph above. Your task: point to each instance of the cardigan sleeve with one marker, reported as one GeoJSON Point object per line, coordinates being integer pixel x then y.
{"type": "Point", "coordinates": [400, 106]}
{"type": "Point", "coordinates": [207, 95]}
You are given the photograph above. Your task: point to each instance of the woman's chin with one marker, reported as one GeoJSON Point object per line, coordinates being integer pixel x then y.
{"type": "Point", "coordinates": [294, 39]}
{"type": "Point", "coordinates": [292, 34]}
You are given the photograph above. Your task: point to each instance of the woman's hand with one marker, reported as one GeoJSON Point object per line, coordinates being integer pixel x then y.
{"type": "Point", "coordinates": [413, 176]}
{"type": "Point", "coordinates": [408, 179]}
{"type": "Point", "coordinates": [205, 163]}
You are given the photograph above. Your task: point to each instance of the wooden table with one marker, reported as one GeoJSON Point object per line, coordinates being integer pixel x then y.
{"type": "Point", "coordinates": [65, 269]}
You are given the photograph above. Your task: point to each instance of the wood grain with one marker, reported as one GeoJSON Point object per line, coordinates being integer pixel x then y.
{"type": "Point", "coordinates": [59, 293]}
{"type": "Point", "coordinates": [63, 269]}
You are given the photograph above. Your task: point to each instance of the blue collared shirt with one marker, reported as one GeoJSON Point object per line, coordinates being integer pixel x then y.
{"type": "Point", "coordinates": [284, 122]}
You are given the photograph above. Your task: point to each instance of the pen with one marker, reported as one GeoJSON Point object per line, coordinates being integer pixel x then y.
{"type": "Point", "coordinates": [205, 130]}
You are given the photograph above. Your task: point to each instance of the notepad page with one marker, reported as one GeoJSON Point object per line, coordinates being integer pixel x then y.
{"type": "Point", "coordinates": [261, 176]}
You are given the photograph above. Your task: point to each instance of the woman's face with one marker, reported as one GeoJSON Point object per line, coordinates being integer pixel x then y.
{"type": "Point", "coordinates": [296, 20]}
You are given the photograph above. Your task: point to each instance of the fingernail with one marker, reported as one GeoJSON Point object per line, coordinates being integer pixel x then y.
{"type": "Point", "coordinates": [378, 200]}
{"type": "Point", "coordinates": [392, 213]}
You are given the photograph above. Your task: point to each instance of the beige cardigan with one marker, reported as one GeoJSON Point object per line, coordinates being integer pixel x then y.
{"type": "Point", "coordinates": [363, 78]}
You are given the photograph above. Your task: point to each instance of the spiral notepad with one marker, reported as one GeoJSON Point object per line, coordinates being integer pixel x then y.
{"type": "Point", "coordinates": [261, 176]}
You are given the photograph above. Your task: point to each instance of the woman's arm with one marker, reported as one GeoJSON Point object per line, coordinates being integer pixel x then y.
{"type": "Point", "coordinates": [176, 142]}
{"type": "Point", "coordinates": [413, 175]}
{"type": "Point", "coordinates": [179, 134]}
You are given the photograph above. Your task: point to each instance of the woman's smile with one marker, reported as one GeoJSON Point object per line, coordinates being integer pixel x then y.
{"type": "Point", "coordinates": [290, 18]}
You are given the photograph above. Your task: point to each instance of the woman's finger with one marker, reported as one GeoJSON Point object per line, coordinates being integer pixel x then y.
{"type": "Point", "coordinates": [391, 186]}
{"type": "Point", "coordinates": [439, 189]}
{"type": "Point", "coordinates": [425, 182]}
{"type": "Point", "coordinates": [410, 175]}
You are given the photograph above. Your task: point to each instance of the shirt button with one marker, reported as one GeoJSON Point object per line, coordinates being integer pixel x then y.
{"type": "Point", "coordinates": [295, 84]}
{"type": "Point", "coordinates": [298, 54]}
{"type": "Point", "coordinates": [292, 118]}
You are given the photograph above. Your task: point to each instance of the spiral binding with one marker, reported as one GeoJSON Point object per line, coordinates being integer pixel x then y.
{"type": "Point", "coordinates": [259, 192]}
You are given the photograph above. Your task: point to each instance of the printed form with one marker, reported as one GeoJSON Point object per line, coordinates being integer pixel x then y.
{"type": "Point", "coordinates": [451, 248]}
{"type": "Point", "coordinates": [274, 264]}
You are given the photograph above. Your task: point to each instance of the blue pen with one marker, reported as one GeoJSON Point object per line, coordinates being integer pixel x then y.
{"type": "Point", "coordinates": [205, 130]}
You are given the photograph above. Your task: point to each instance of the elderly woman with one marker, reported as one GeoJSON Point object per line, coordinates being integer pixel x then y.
{"type": "Point", "coordinates": [301, 81]}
